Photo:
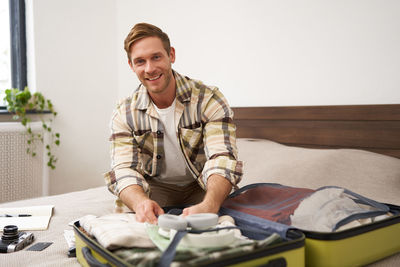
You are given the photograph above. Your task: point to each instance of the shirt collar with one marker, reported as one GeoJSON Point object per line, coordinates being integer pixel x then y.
{"type": "Point", "coordinates": [183, 87]}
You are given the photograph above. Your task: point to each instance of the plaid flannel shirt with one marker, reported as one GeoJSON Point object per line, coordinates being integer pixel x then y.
{"type": "Point", "coordinates": [206, 134]}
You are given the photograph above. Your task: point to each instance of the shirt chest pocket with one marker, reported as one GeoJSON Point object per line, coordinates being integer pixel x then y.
{"type": "Point", "coordinates": [192, 141]}
{"type": "Point", "coordinates": [145, 149]}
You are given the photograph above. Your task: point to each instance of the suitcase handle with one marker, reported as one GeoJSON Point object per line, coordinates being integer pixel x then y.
{"type": "Point", "coordinates": [278, 262]}
{"type": "Point", "coordinates": [92, 261]}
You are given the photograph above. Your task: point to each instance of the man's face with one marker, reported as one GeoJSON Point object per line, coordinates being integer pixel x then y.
{"type": "Point", "coordinates": [152, 64]}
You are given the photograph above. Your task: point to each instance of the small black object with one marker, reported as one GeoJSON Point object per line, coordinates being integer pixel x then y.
{"type": "Point", "coordinates": [71, 252]}
{"type": "Point", "coordinates": [15, 215]}
{"type": "Point", "coordinates": [40, 246]}
{"type": "Point", "coordinates": [175, 211]}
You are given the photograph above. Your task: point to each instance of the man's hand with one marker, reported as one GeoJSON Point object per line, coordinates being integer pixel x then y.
{"type": "Point", "coordinates": [218, 188]}
{"type": "Point", "coordinates": [146, 209]}
{"type": "Point", "coordinates": [202, 207]}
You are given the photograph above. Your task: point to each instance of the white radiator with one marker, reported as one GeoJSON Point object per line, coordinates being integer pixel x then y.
{"type": "Point", "coordinates": [21, 175]}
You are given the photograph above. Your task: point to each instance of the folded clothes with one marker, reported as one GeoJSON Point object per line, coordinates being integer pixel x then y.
{"type": "Point", "coordinates": [117, 230]}
{"type": "Point", "coordinates": [324, 209]}
{"type": "Point", "coordinates": [194, 257]}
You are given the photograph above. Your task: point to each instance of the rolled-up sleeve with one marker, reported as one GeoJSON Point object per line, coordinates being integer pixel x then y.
{"type": "Point", "coordinates": [125, 163]}
{"type": "Point", "coordinates": [220, 141]}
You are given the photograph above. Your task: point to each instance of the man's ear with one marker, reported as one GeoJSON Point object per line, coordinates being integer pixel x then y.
{"type": "Point", "coordinates": [172, 54]}
{"type": "Point", "coordinates": [131, 65]}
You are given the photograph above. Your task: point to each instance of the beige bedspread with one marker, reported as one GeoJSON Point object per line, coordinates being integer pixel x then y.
{"type": "Point", "coordinates": [367, 173]}
{"type": "Point", "coordinates": [67, 207]}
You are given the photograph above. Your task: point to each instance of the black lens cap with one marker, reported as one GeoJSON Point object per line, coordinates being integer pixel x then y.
{"type": "Point", "coordinates": [10, 232]}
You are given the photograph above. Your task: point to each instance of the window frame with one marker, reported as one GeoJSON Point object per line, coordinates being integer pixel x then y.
{"type": "Point", "coordinates": [18, 44]}
{"type": "Point", "coordinates": [17, 47]}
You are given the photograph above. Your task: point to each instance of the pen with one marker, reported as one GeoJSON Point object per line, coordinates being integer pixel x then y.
{"type": "Point", "coordinates": [15, 215]}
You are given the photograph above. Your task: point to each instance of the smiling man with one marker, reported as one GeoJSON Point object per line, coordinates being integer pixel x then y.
{"type": "Point", "coordinates": [173, 141]}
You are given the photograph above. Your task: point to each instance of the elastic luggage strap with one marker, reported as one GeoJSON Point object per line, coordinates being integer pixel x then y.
{"type": "Point", "coordinates": [369, 201]}
{"type": "Point", "coordinates": [255, 185]}
{"type": "Point", "coordinates": [169, 254]}
{"type": "Point", "coordinates": [244, 220]}
{"type": "Point", "coordinates": [382, 208]}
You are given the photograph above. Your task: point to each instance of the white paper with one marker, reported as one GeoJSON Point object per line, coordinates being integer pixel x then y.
{"type": "Point", "coordinates": [70, 238]}
{"type": "Point", "coordinates": [38, 221]}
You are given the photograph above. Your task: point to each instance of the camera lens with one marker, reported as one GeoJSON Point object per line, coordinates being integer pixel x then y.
{"type": "Point", "coordinates": [10, 232]}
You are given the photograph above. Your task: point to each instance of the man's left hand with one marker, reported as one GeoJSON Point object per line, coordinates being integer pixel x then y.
{"type": "Point", "coordinates": [218, 188]}
{"type": "Point", "coordinates": [202, 207]}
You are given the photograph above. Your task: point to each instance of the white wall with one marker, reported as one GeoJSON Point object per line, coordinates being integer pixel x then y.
{"type": "Point", "coordinates": [75, 66]}
{"type": "Point", "coordinates": [258, 52]}
{"type": "Point", "coordinates": [278, 52]}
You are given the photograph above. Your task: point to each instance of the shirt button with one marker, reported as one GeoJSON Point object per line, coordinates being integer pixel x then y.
{"type": "Point", "coordinates": [158, 132]}
{"type": "Point", "coordinates": [158, 157]}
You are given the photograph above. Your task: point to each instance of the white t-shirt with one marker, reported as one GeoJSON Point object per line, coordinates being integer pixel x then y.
{"type": "Point", "coordinates": [175, 170]}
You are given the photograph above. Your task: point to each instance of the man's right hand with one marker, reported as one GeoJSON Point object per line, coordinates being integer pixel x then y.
{"type": "Point", "coordinates": [146, 210]}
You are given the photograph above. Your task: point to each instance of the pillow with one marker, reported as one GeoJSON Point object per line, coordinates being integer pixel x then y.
{"type": "Point", "coordinates": [370, 174]}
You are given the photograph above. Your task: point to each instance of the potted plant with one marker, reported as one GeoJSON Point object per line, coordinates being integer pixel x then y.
{"type": "Point", "coordinates": [20, 103]}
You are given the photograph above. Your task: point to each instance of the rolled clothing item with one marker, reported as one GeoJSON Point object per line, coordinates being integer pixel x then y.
{"type": "Point", "coordinates": [117, 230]}
{"type": "Point", "coordinates": [322, 210]}
{"type": "Point", "coordinates": [228, 221]}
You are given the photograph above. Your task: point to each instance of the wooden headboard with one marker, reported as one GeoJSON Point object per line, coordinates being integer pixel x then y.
{"type": "Point", "coordinates": [370, 127]}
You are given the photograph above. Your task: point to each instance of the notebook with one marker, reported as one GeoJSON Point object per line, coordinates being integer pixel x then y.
{"type": "Point", "coordinates": [38, 220]}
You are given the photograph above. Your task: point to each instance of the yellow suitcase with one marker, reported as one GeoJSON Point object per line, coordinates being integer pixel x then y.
{"type": "Point", "coordinates": [357, 246]}
{"type": "Point", "coordinates": [289, 253]}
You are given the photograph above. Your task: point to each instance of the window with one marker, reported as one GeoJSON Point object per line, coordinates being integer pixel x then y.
{"type": "Point", "coordinates": [12, 46]}
{"type": "Point", "coordinates": [5, 59]}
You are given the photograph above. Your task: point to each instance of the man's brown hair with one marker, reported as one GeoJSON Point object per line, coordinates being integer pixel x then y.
{"type": "Point", "coordinates": [142, 30]}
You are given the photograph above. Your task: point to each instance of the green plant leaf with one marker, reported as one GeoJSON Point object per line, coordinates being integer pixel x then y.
{"type": "Point", "coordinates": [17, 103]}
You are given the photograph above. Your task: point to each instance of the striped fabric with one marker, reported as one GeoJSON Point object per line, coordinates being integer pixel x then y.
{"type": "Point", "coordinates": [117, 230]}
{"type": "Point", "coordinates": [205, 131]}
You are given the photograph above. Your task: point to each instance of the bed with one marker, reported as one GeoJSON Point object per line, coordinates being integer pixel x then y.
{"type": "Point", "coordinates": [357, 147]}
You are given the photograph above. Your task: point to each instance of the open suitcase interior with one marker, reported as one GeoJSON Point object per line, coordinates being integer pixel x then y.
{"type": "Point", "coordinates": [353, 246]}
